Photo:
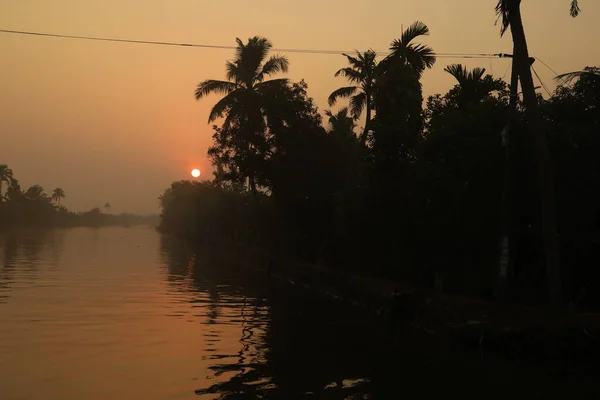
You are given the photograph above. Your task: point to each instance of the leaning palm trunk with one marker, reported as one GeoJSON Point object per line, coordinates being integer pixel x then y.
{"type": "Point", "coordinates": [542, 159]}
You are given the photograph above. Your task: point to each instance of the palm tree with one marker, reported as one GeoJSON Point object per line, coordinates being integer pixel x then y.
{"type": "Point", "coordinates": [341, 122]}
{"type": "Point", "coordinates": [245, 94]}
{"type": "Point", "coordinates": [509, 12]}
{"type": "Point", "coordinates": [6, 175]}
{"type": "Point", "coordinates": [107, 207]}
{"type": "Point", "coordinates": [588, 72]}
{"type": "Point", "coordinates": [362, 73]}
{"type": "Point", "coordinates": [474, 85]}
{"type": "Point", "coordinates": [399, 96]}
{"type": "Point", "coordinates": [57, 195]}
{"type": "Point", "coordinates": [418, 56]}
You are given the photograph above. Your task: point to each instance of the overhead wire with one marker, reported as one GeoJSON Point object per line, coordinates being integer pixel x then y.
{"type": "Point", "coordinates": [227, 47]}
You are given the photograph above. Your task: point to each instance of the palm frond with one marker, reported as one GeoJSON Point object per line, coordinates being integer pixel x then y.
{"type": "Point", "coordinates": [268, 87]}
{"type": "Point", "coordinates": [476, 74]}
{"type": "Point", "coordinates": [357, 104]}
{"type": "Point", "coordinates": [415, 30]}
{"type": "Point", "coordinates": [341, 92]}
{"type": "Point", "coordinates": [223, 105]}
{"type": "Point", "coordinates": [274, 65]}
{"type": "Point", "coordinates": [210, 86]}
{"type": "Point", "coordinates": [356, 62]}
{"type": "Point", "coordinates": [418, 56]}
{"type": "Point", "coordinates": [458, 71]}
{"type": "Point", "coordinates": [504, 9]}
{"type": "Point", "coordinates": [233, 72]}
{"type": "Point", "coordinates": [351, 74]}
{"type": "Point", "coordinates": [575, 10]}
{"type": "Point", "coordinates": [568, 77]}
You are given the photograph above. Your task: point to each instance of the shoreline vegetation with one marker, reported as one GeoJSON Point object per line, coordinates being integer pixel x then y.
{"type": "Point", "coordinates": [34, 208]}
{"type": "Point", "coordinates": [418, 197]}
{"type": "Point", "coordinates": [423, 195]}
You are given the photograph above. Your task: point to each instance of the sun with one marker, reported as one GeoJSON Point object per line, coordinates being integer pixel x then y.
{"type": "Point", "coordinates": [195, 172]}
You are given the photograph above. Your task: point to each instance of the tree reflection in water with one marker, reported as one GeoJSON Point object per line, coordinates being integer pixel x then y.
{"type": "Point", "coordinates": [21, 255]}
{"type": "Point", "coordinates": [295, 344]}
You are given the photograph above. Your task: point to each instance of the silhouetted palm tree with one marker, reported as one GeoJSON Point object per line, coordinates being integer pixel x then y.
{"type": "Point", "coordinates": [361, 73]}
{"type": "Point", "coordinates": [107, 207]}
{"type": "Point", "coordinates": [590, 72]}
{"type": "Point", "coordinates": [509, 12]}
{"type": "Point", "coordinates": [6, 175]}
{"type": "Point", "coordinates": [399, 96]}
{"type": "Point", "coordinates": [474, 85]}
{"type": "Point", "coordinates": [341, 122]}
{"type": "Point", "coordinates": [57, 195]}
{"type": "Point", "coordinates": [246, 92]}
{"type": "Point", "coordinates": [418, 56]}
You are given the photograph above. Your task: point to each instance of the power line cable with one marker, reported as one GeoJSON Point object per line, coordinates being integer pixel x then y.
{"type": "Point", "coordinates": [541, 81]}
{"type": "Point", "coordinates": [547, 66]}
{"type": "Point", "coordinates": [227, 47]}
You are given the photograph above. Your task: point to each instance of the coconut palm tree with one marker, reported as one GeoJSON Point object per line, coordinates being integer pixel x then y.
{"type": "Point", "coordinates": [474, 85]}
{"type": "Point", "coordinates": [107, 207]}
{"type": "Point", "coordinates": [361, 73]}
{"type": "Point", "coordinates": [6, 175]}
{"type": "Point", "coordinates": [246, 93]}
{"type": "Point", "coordinates": [57, 195]}
{"type": "Point", "coordinates": [509, 13]}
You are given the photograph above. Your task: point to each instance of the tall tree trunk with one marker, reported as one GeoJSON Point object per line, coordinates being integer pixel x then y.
{"type": "Point", "coordinates": [542, 159]}
{"type": "Point", "coordinates": [363, 138]}
{"type": "Point", "coordinates": [506, 242]}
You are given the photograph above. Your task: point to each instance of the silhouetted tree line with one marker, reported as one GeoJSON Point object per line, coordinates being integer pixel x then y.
{"type": "Point", "coordinates": [416, 193]}
{"type": "Point", "coordinates": [33, 207]}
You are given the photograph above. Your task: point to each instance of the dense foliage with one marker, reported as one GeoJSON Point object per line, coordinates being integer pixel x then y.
{"type": "Point", "coordinates": [417, 194]}
{"type": "Point", "coordinates": [33, 207]}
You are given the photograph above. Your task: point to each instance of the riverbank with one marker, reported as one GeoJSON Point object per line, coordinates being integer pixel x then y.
{"type": "Point", "coordinates": [536, 333]}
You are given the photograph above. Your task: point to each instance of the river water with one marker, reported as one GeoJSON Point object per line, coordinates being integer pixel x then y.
{"type": "Point", "coordinates": [125, 313]}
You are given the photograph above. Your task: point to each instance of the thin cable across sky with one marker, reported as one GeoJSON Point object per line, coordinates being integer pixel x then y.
{"type": "Point", "coordinates": [225, 47]}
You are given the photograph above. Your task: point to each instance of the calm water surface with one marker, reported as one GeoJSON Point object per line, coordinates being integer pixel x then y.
{"type": "Point", "coordinates": [123, 313]}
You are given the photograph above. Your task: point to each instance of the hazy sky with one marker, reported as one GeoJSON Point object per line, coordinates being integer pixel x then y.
{"type": "Point", "coordinates": [112, 122]}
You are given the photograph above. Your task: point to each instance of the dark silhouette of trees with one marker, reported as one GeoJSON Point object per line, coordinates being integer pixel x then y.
{"type": "Point", "coordinates": [244, 105]}
{"type": "Point", "coordinates": [33, 207]}
{"type": "Point", "coordinates": [57, 195]}
{"type": "Point", "coordinates": [421, 199]}
{"type": "Point", "coordinates": [474, 86]}
{"type": "Point", "coordinates": [6, 175]}
{"type": "Point", "coordinates": [361, 72]}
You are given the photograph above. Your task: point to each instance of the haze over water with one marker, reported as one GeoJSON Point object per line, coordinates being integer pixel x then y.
{"type": "Point", "coordinates": [114, 115]}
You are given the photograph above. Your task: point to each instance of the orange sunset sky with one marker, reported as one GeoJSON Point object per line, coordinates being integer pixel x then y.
{"type": "Point", "coordinates": [112, 122]}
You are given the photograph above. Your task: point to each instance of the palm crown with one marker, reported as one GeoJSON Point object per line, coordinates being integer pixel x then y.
{"type": "Point", "coordinates": [246, 75]}
{"type": "Point", "coordinates": [361, 73]}
{"type": "Point", "coordinates": [415, 55]}
{"type": "Point", "coordinates": [57, 195]}
{"type": "Point", "coordinates": [474, 85]}
{"type": "Point", "coordinates": [505, 7]}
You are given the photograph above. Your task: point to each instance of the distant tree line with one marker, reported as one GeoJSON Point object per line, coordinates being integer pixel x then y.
{"type": "Point", "coordinates": [33, 207]}
{"type": "Point", "coordinates": [420, 192]}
